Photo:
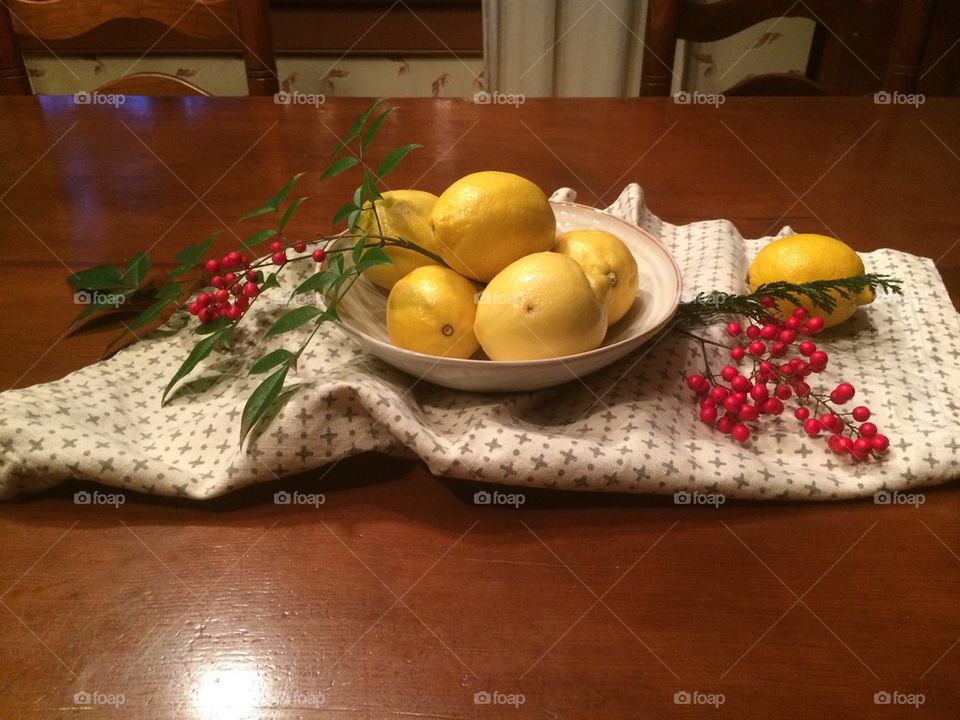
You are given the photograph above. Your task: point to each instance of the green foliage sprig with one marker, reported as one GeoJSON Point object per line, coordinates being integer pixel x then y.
{"type": "Point", "coordinates": [708, 308]}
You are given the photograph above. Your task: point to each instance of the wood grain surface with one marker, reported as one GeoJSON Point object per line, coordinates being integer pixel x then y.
{"type": "Point", "coordinates": [398, 598]}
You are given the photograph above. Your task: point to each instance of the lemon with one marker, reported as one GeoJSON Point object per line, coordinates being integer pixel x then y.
{"type": "Point", "coordinates": [485, 221]}
{"type": "Point", "coordinates": [405, 214]}
{"type": "Point", "coordinates": [609, 265]}
{"type": "Point", "coordinates": [541, 306]}
{"type": "Point", "coordinates": [805, 258]}
{"type": "Point", "coordinates": [431, 310]}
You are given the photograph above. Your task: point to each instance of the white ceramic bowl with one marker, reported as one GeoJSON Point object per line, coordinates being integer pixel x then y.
{"type": "Point", "coordinates": [363, 312]}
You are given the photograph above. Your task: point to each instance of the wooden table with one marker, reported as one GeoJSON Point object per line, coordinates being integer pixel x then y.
{"type": "Point", "coordinates": [400, 598]}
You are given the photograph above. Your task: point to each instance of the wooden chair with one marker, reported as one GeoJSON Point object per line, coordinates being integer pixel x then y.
{"type": "Point", "coordinates": [247, 20]}
{"type": "Point", "coordinates": [670, 20]}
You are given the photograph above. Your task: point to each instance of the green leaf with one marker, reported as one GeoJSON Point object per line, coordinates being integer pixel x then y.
{"type": "Point", "coordinates": [358, 248]}
{"type": "Point", "coordinates": [321, 281]}
{"type": "Point", "coordinates": [200, 351]}
{"type": "Point", "coordinates": [373, 256]}
{"type": "Point", "coordinates": [137, 270]}
{"type": "Point", "coordinates": [343, 143]}
{"type": "Point", "coordinates": [394, 157]}
{"type": "Point", "coordinates": [370, 191]}
{"type": "Point", "coordinates": [260, 401]}
{"type": "Point", "coordinates": [343, 212]}
{"type": "Point", "coordinates": [372, 129]}
{"type": "Point", "coordinates": [288, 213]}
{"type": "Point", "coordinates": [273, 204]}
{"type": "Point", "coordinates": [213, 326]}
{"type": "Point", "coordinates": [357, 125]}
{"type": "Point", "coordinates": [271, 360]}
{"type": "Point", "coordinates": [337, 263]}
{"type": "Point", "coordinates": [338, 166]}
{"type": "Point", "coordinates": [270, 282]}
{"type": "Point", "coordinates": [190, 256]}
{"type": "Point", "coordinates": [258, 237]}
{"type": "Point", "coordinates": [170, 291]}
{"type": "Point", "coordinates": [353, 219]}
{"type": "Point", "coordinates": [102, 277]}
{"type": "Point", "coordinates": [293, 319]}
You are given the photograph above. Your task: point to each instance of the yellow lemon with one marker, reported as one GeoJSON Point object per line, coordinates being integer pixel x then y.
{"type": "Point", "coordinates": [485, 221]}
{"type": "Point", "coordinates": [609, 265]}
{"type": "Point", "coordinates": [541, 306]}
{"type": "Point", "coordinates": [431, 310]}
{"type": "Point", "coordinates": [405, 214]}
{"type": "Point", "coordinates": [805, 258]}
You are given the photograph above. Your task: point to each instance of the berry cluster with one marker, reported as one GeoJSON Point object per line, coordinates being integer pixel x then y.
{"type": "Point", "coordinates": [236, 283]}
{"type": "Point", "coordinates": [780, 362]}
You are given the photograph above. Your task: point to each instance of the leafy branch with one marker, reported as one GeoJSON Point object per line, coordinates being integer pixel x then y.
{"type": "Point", "coordinates": [711, 307]}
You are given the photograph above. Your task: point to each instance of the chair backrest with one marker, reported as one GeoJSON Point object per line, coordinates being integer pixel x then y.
{"type": "Point", "coordinates": [246, 20]}
{"type": "Point", "coordinates": [670, 20]}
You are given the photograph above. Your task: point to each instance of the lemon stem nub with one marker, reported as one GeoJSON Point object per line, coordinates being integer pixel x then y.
{"type": "Point", "coordinates": [447, 330]}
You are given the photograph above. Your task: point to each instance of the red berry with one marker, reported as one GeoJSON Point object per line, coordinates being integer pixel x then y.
{"type": "Point", "coordinates": [252, 275]}
{"type": "Point", "coordinates": [319, 255]}
{"type": "Point", "coordinates": [212, 266]}
{"type": "Point", "coordinates": [279, 259]}
{"type": "Point", "coordinates": [235, 313]}
{"type": "Point", "coordinates": [799, 313]}
{"type": "Point", "coordinates": [844, 444]}
{"type": "Point", "coordinates": [741, 384]}
{"type": "Point", "coordinates": [251, 290]}
{"type": "Point", "coordinates": [812, 427]}
{"type": "Point", "coordinates": [807, 348]}
{"type": "Point", "coordinates": [759, 393]}
{"type": "Point", "coordinates": [203, 300]}
{"type": "Point", "coordinates": [868, 430]}
{"type": "Point", "coordinates": [696, 381]}
{"type": "Point", "coordinates": [708, 415]}
{"type": "Point", "coordinates": [771, 406]}
{"type": "Point", "coordinates": [276, 246]}
{"type": "Point", "coordinates": [728, 373]}
{"type": "Point", "coordinates": [783, 392]}
{"type": "Point", "coordinates": [724, 424]}
{"type": "Point", "coordinates": [778, 349]}
{"type": "Point", "coordinates": [815, 324]}
{"type": "Point", "coordinates": [801, 413]}
{"type": "Point", "coordinates": [748, 413]}
{"type": "Point", "coordinates": [719, 393]}
{"type": "Point", "coordinates": [792, 323]}
{"type": "Point", "coordinates": [733, 329]}
{"type": "Point", "coordinates": [846, 389]}
{"type": "Point", "coordinates": [818, 358]}
{"type": "Point", "coordinates": [300, 247]}
{"type": "Point", "coordinates": [801, 389]}
{"type": "Point", "coordinates": [242, 302]}
{"type": "Point", "coordinates": [756, 348]}
{"type": "Point", "coordinates": [879, 443]}
{"type": "Point", "coordinates": [753, 332]}
{"type": "Point", "coordinates": [787, 369]}
{"type": "Point", "coordinates": [205, 315]}
{"type": "Point", "coordinates": [222, 295]}
{"type": "Point", "coordinates": [831, 422]}
{"type": "Point", "coordinates": [217, 281]}
{"type": "Point", "coordinates": [737, 353]}
{"type": "Point", "coordinates": [787, 336]}
{"type": "Point", "coordinates": [861, 413]}
{"type": "Point", "coordinates": [768, 332]}
{"type": "Point", "coordinates": [235, 258]}
{"type": "Point", "coordinates": [862, 446]}
{"type": "Point", "coordinates": [767, 301]}
{"type": "Point", "coordinates": [229, 278]}
{"type": "Point", "coordinates": [193, 308]}
{"type": "Point", "coordinates": [740, 432]}
{"type": "Point", "coordinates": [730, 404]}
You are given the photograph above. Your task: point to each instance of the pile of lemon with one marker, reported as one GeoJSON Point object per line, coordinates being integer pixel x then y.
{"type": "Point", "coordinates": [509, 285]}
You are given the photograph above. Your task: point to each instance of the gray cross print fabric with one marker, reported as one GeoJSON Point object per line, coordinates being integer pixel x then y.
{"type": "Point", "coordinates": [631, 427]}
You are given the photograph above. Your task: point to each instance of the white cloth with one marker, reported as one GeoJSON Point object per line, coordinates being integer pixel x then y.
{"type": "Point", "coordinates": [105, 422]}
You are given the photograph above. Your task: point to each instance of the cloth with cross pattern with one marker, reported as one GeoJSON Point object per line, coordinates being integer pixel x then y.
{"type": "Point", "coordinates": [631, 427]}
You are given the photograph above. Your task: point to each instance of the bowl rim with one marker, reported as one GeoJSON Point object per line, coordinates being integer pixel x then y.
{"type": "Point", "coordinates": [472, 363]}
